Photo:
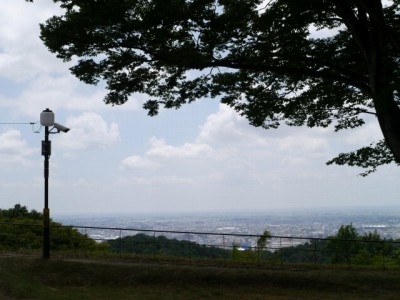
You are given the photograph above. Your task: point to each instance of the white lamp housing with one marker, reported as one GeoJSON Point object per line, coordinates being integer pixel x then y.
{"type": "Point", "coordinates": [47, 117]}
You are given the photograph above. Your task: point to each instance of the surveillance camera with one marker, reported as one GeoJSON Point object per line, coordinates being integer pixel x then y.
{"type": "Point", "coordinates": [60, 127]}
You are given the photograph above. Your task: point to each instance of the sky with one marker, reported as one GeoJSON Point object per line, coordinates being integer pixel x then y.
{"type": "Point", "coordinates": [202, 157]}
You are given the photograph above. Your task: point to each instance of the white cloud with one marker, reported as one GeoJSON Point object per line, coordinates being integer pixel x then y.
{"type": "Point", "coordinates": [155, 181]}
{"type": "Point", "coordinates": [302, 143]}
{"type": "Point", "coordinates": [89, 131]}
{"type": "Point", "coordinates": [55, 92]}
{"type": "Point", "coordinates": [13, 149]}
{"type": "Point", "coordinates": [137, 162]}
{"type": "Point", "coordinates": [159, 148]}
{"type": "Point", "coordinates": [227, 127]}
{"type": "Point", "coordinates": [171, 180]}
{"type": "Point", "coordinates": [40, 79]}
{"type": "Point", "coordinates": [62, 92]}
{"type": "Point", "coordinates": [229, 151]}
{"type": "Point", "coordinates": [23, 56]}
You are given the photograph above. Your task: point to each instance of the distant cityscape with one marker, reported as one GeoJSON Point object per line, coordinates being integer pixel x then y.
{"type": "Point", "coordinates": [289, 224]}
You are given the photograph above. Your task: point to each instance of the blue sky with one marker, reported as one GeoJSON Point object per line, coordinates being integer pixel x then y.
{"type": "Point", "coordinates": [203, 157]}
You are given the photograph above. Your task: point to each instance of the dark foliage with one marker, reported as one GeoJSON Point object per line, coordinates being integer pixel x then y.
{"type": "Point", "coordinates": [149, 245]}
{"type": "Point", "coordinates": [266, 59]}
{"type": "Point", "coordinates": [23, 229]}
{"type": "Point", "coordinates": [346, 247]}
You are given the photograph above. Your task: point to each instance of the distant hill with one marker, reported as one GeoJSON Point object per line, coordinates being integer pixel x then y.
{"type": "Point", "coordinates": [160, 245]}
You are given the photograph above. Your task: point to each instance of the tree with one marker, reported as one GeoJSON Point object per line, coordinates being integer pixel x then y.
{"type": "Point", "coordinates": [343, 246]}
{"type": "Point", "coordinates": [22, 229]}
{"type": "Point", "coordinates": [259, 57]}
{"type": "Point", "coordinates": [263, 240]}
{"type": "Point", "coordinates": [20, 212]}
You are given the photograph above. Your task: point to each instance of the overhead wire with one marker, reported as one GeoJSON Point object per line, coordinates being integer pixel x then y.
{"type": "Point", "coordinates": [17, 123]}
{"type": "Point", "coordinates": [24, 123]}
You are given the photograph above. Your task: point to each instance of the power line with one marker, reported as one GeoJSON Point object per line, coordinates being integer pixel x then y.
{"type": "Point", "coordinates": [18, 123]}
{"type": "Point", "coordinates": [24, 123]}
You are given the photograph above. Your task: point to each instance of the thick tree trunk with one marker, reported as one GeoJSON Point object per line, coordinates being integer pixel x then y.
{"type": "Point", "coordinates": [388, 114]}
{"type": "Point", "coordinates": [366, 22]}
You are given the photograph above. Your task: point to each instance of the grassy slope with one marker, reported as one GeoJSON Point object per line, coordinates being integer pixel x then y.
{"type": "Point", "coordinates": [23, 277]}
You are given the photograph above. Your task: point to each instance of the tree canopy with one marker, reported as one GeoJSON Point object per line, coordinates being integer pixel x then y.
{"type": "Point", "coordinates": [267, 59]}
{"type": "Point", "coordinates": [20, 212]}
{"type": "Point", "coordinates": [23, 229]}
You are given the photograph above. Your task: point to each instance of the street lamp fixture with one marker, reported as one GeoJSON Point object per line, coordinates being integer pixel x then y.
{"type": "Point", "coordinates": [50, 127]}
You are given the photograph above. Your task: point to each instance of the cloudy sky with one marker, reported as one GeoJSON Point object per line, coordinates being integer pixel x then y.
{"type": "Point", "coordinates": [203, 157]}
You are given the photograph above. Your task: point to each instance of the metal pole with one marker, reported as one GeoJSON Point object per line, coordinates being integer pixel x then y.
{"type": "Point", "coordinates": [46, 151]}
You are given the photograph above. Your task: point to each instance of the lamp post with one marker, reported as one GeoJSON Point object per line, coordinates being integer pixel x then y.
{"type": "Point", "coordinates": [47, 120]}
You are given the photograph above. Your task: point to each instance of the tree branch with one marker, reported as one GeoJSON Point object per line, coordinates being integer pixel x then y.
{"type": "Point", "coordinates": [286, 70]}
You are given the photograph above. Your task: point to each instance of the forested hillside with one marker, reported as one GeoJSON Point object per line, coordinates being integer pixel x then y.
{"type": "Point", "coordinates": [346, 247]}
{"type": "Point", "coordinates": [147, 245]}
{"type": "Point", "coordinates": [15, 237]}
